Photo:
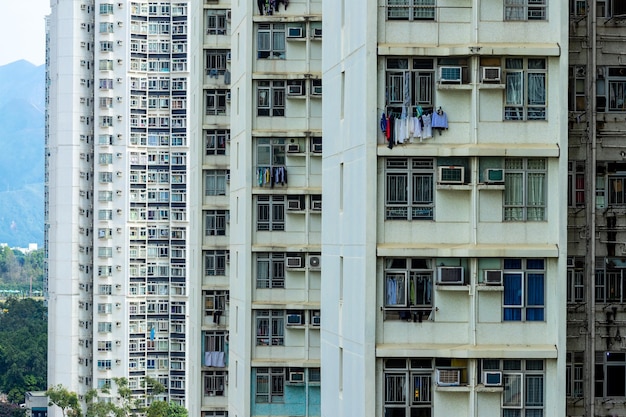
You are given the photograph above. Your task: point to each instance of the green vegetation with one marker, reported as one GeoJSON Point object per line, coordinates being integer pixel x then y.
{"type": "Point", "coordinates": [23, 347]}
{"type": "Point", "coordinates": [18, 271]}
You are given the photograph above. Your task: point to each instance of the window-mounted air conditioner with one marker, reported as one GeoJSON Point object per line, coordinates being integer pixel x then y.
{"type": "Point", "coordinates": [451, 175]}
{"type": "Point", "coordinates": [228, 56]}
{"type": "Point", "coordinates": [315, 262]}
{"type": "Point", "coordinates": [492, 378]}
{"type": "Point", "coordinates": [491, 74]}
{"type": "Point", "coordinates": [118, 343]}
{"type": "Point", "coordinates": [293, 262]}
{"type": "Point", "coordinates": [450, 75]}
{"type": "Point", "coordinates": [316, 90]}
{"type": "Point", "coordinates": [317, 148]}
{"type": "Point", "coordinates": [316, 205]}
{"type": "Point", "coordinates": [450, 275]}
{"type": "Point", "coordinates": [228, 15]}
{"type": "Point", "coordinates": [296, 377]}
{"type": "Point", "coordinates": [294, 319]}
{"type": "Point", "coordinates": [83, 25]}
{"type": "Point", "coordinates": [228, 97]}
{"type": "Point", "coordinates": [293, 148]}
{"type": "Point", "coordinates": [315, 320]}
{"type": "Point", "coordinates": [570, 262]}
{"type": "Point", "coordinates": [83, 44]}
{"type": "Point", "coordinates": [317, 32]}
{"type": "Point", "coordinates": [493, 176]}
{"type": "Point", "coordinates": [294, 90]}
{"type": "Point", "coordinates": [493, 277]}
{"type": "Point", "coordinates": [83, 7]}
{"type": "Point", "coordinates": [294, 32]}
{"type": "Point", "coordinates": [294, 205]}
{"type": "Point", "coordinates": [227, 257]}
{"type": "Point", "coordinates": [228, 177]}
{"type": "Point", "coordinates": [448, 377]}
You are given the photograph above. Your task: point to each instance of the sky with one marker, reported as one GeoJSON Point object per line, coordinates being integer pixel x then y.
{"type": "Point", "coordinates": [23, 31]}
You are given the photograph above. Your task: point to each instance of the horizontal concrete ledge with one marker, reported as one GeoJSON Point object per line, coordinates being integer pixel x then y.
{"type": "Point", "coordinates": [481, 49]}
{"type": "Point", "coordinates": [286, 305]}
{"type": "Point", "coordinates": [466, 351]}
{"type": "Point", "coordinates": [499, 250]}
{"type": "Point", "coordinates": [545, 150]}
{"type": "Point", "coordinates": [310, 363]}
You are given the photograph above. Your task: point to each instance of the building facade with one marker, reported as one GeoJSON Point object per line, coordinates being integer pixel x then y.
{"type": "Point", "coordinates": [595, 267]}
{"type": "Point", "coordinates": [444, 234]}
{"type": "Point", "coordinates": [117, 187]}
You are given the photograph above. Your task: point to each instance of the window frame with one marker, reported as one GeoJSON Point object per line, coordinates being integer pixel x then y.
{"type": "Point", "coordinates": [415, 171]}
{"type": "Point", "coordinates": [215, 222]}
{"type": "Point", "coordinates": [273, 380]}
{"type": "Point", "coordinates": [273, 264]}
{"type": "Point", "coordinates": [517, 204]}
{"type": "Point", "coordinates": [408, 387]}
{"type": "Point", "coordinates": [525, 10]}
{"type": "Point", "coordinates": [522, 301]}
{"type": "Point", "coordinates": [270, 212]}
{"type": "Point", "coordinates": [269, 327]}
{"type": "Point", "coordinates": [420, 73]}
{"type": "Point", "coordinates": [271, 98]}
{"type": "Point", "coordinates": [218, 259]}
{"type": "Point", "coordinates": [269, 37]}
{"type": "Point", "coordinates": [518, 104]}
{"type": "Point", "coordinates": [411, 10]}
{"type": "Point", "coordinates": [215, 183]}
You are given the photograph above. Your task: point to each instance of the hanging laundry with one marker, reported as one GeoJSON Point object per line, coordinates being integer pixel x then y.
{"type": "Point", "coordinates": [427, 128]}
{"type": "Point", "coordinates": [440, 120]}
{"type": "Point", "coordinates": [383, 124]}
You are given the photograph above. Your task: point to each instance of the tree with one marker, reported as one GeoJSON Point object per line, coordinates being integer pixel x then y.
{"type": "Point", "coordinates": [66, 400]}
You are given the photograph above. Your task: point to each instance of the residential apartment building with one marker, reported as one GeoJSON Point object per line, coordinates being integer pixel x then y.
{"type": "Point", "coordinates": [444, 228]}
{"type": "Point", "coordinates": [117, 188]}
{"type": "Point", "coordinates": [596, 364]}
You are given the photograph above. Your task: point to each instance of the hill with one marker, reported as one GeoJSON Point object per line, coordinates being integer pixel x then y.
{"type": "Point", "coordinates": [22, 123]}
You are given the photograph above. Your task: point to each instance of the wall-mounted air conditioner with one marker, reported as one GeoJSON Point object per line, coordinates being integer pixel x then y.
{"type": "Point", "coordinates": [450, 275]}
{"type": "Point", "coordinates": [296, 377]}
{"type": "Point", "coordinates": [293, 262]}
{"type": "Point", "coordinates": [448, 377]}
{"type": "Point", "coordinates": [315, 320]}
{"type": "Point", "coordinates": [491, 74]}
{"type": "Point", "coordinates": [451, 175]}
{"type": "Point", "coordinates": [294, 205]}
{"type": "Point", "coordinates": [493, 277]}
{"type": "Point", "coordinates": [293, 148]}
{"type": "Point", "coordinates": [492, 378]}
{"type": "Point", "coordinates": [295, 32]}
{"type": "Point", "coordinates": [450, 75]}
{"type": "Point", "coordinates": [316, 205]}
{"type": "Point", "coordinates": [294, 90]}
{"type": "Point", "coordinates": [317, 32]}
{"type": "Point", "coordinates": [493, 176]}
{"type": "Point", "coordinates": [294, 319]}
{"type": "Point", "coordinates": [316, 90]}
{"type": "Point", "coordinates": [315, 261]}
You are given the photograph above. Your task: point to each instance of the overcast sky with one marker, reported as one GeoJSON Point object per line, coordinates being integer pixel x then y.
{"type": "Point", "coordinates": [23, 30]}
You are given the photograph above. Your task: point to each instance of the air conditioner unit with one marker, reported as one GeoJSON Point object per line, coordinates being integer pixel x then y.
{"type": "Point", "coordinates": [120, 5]}
{"type": "Point", "coordinates": [228, 15]}
{"type": "Point", "coordinates": [317, 32]}
{"type": "Point", "coordinates": [83, 7]}
{"type": "Point", "coordinates": [491, 74]}
{"type": "Point", "coordinates": [451, 175]}
{"type": "Point", "coordinates": [83, 44]}
{"type": "Point", "coordinates": [450, 75]}
{"type": "Point", "coordinates": [294, 90]}
{"type": "Point", "coordinates": [317, 148]}
{"type": "Point", "coordinates": [120, 24]}
{"type": "Point", "coordinates": [316, 205]}
{"type": "Point", "coordinates": [294, 205]}
{"type": "Point", "coordinates": [119, 268]}
{"type": "Point", "coordinates": [315, 320]}
{"type": "Point", "coordinates": [118, 361]}
{"type": "Point", "coordinates": [119, 99]}
{"type": "Point", "coordinates": [317, 90]}
{"type": "Point", "coordinates": [448, 377]}
{"type": "Point", "coordinates": [228, 96]}
{"type": "Point", "coordinates": [293, 262]}
{"type": "Point", "coordinates": [493, 277]}
{"type": "Point", "coordinates": [493, 176]}
{"type": "Point", "coordinates": [118, 343]}
{"type": "Point", "coordinates": [228, 56]}
{"type": "Point", "coordinates": [294, 319]}
{"type": "Point", "coordinates": [118, 286]}
{"type": "Point", "coordinates": [119, 173]}
{"type": "Point", "coordinates": [118, 324]}
{"type": "Point", "coordinates": [228, 177]}
{"type": "Point", "coordinates": [492, 378]}
{"type": "Point", "coordinates": [450, 275]}
{"type": "Point", "coordinates": [293, 148]}
{"type": "Point", "coordinates": [315, 262]}
{"type": "Point", "coordinates": [119, 43]}
{"type": "Point", "coordinates": [83, 25]}
{"type": "Point", "coordinates": [294, 32]}
{"type": "Point", "coordinates": [570, 262]}
{"type": "Point", "coordinates": [296, 377]}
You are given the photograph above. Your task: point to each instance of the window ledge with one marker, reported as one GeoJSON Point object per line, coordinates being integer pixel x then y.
{"type": "Point", "coordinates": [484, 287]}
{"type": "Point", "coordinates": [458, 187]}
{"type": "Point", "coordinates": [494, 86]}
{"type": "Point", "coordinates": [454, 86]}
{"type": "Point", "coordinates": [455, 388]}
{"type": "Point", "coordinates": [296, 96]}
{"type": "Point", "coordinates": [296, 211]}
{"type": "Point", "coordinates": [482, 388]}
{"type": "Point", "coordinates": [295, 154]}
{"type": "Point", "coordinates": [452, 287]}
{"type": "Point", "coordinates": [496, 187]}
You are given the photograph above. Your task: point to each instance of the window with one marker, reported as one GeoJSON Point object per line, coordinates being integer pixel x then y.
{"type": "Point", "coordinates": [412, 77]}
{"type": "Point", "coordinates": [106, 84]}
{"type": "Point", "coordinates": [216, 101]}
{"type": "Point", "coordinates": [104, 346]}
{"type": "Point", "coordinates": [574, 379]}
{"type": "Point", "coordinates": [215, 262]}
{"type": "Point", "coordinates": [523, 382]}
{"type": "Point", "coordinates": [576, 183]}
{"type": "Point", "coordinates": [411, 9]}
{"type": "Point", "coordinates": [106, 8]}
{"type": "Point", "coordinates": [525, 189]}
{"type": "Point", "coordinates": [106, 46]}
{"type": "Point", "coordinates": [215, 341]}
{"type": "Point", "coordinates": [610, 374]}
{"type": "Point", "coordinates": [215, 61]}
{"type": "Point", "coordinates": [270, 270]}
{"type": "Point", "coordinates": [617, 194]}
{"type": "Point", "coordinates": [271, 98]}
{"type": "Point", "coordinates": [104, 364]}
{"type": "Point", "coordinates": [523, 298]}
{"type": "Point", "coordinates": [270, 385]}
{"type": "Point", "coordinates": [215, 141]}
{"type": "Point", "coordinates": [525, 10]}
{"type": "Point", "coordinates": [106, 27]}
{"type": "Point", "coordinates": [215, 222]}
{"type": "Point", "coordinates": [270, 152]}
{"type": "Point", "coordinates": [407, 387]}
{"type": "Point", "coordinates": [214, 383]}
{"type": "Point", "coordinates": [104, 383]}
{"type": "Point", "coordinates": [525, 97]}
{"type": "Point", "coordinates": [408, 288]}
{"type": "Point", "coordinates": [105, 327]}
{"type": "Point", "coordinates": [105, 65]}
{"type": "Point", "coordinates": [610, 285]}
{"type": "Point", "coordinates": [271, 40]}
{"type": "Point", "coordinates": [216, 22]}
{"type": "Point", "coordinates": [215, 182]}
{"type": "Point", "coordinates": [270, 327]}
{"type": "Point", "coordinates": [577, 88]}
{"type": "Point", "coordinates": [105, 177]}
{"type": "Point", "coordinates": [575, 281]}
{"type": "Point", "coordinates": [215, 303]}
{"type": "Point", "coordinates": [105, 214]}
{"type": "Point", "coordinates": [611, 89]}
{"type": "Point", "coordinates": [270, 212]}
{"type": "Point", "coordinates": [106, 121]}
{"type": "Point", "coordinates": [409, 188]}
